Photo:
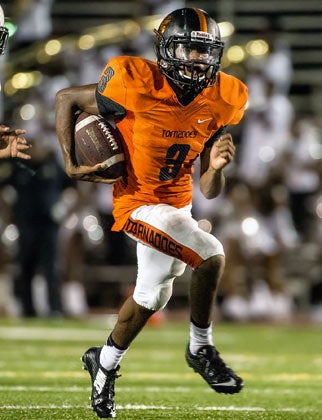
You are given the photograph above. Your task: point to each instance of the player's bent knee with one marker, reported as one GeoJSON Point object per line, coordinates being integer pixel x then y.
{"type": "Point", "coordinates": [153, 300]}
{"type": "Point", "coordinates": [177, 269]}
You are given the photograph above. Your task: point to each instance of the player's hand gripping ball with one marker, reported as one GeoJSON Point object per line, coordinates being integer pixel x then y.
{"type": "Point", "coordinates": [98, 141]}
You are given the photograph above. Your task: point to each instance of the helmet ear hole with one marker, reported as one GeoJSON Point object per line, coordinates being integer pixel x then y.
{"type": "Point", "coordinates": [164, 64]}
{"type": "Point", "coordinates": [209, 72]}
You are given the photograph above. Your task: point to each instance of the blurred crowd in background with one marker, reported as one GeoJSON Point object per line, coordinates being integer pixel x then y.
{"type": "Point", "coordinates": [55, 233]}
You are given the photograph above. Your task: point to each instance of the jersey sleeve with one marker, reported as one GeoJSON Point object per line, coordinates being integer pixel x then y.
{"type": "Point", "coordinates": [234, 93]}
{"type": "Point", "coordinates": [125, 80]}
{"type": "Point", "coordinates": [111, 84]}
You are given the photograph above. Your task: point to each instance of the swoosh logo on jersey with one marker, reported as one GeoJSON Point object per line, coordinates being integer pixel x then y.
{"type": "Point", "coordinates": [202, 121]}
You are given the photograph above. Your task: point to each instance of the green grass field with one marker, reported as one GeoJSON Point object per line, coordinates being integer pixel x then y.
{"type": "Point", "coordinates": [41, 375]}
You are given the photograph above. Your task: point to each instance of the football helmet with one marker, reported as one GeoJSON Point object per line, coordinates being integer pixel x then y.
{"type": "Point", "coordinates": [189, 48]}
{"type": "Point", "coordinates": [4, 33]}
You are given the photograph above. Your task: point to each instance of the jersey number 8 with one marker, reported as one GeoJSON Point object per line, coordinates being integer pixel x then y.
{"type": "Point", "coordinates": [175, 157]}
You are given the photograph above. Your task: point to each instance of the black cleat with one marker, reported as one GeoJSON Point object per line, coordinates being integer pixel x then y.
{"type": "Point", "coordinates": [103, 380]}
{"type": "Point", "coordinates": [213, 369]}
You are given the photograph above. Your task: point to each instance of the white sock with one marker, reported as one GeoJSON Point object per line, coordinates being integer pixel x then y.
{"type": "Point", "coordinates": [199, 337]}
{"type": "Point", "coordinates": [111, 356]}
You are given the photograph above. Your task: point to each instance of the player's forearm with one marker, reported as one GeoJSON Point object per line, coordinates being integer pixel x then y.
{"type": "Point", "coordinates": [212, 182]}
{"type": "Point", "coordinates": [64, 109]}
{"type": "Point", "coordinates": [67, 102]}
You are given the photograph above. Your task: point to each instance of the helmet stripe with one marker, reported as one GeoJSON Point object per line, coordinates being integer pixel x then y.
{"type": "Point", "coordinates": [202, 20]}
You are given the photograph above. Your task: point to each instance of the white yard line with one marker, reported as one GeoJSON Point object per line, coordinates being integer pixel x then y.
{"type": "Point", "coordinates": [158, 407]}
{"type": "Point", "coordinates": [148, 389]}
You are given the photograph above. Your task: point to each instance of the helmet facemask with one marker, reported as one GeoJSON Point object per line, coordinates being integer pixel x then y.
{"type": "Point", "coordinates": [4, 33]}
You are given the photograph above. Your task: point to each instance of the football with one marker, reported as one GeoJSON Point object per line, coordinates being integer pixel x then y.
{"type": "Point", "coordinates": [98, 141]}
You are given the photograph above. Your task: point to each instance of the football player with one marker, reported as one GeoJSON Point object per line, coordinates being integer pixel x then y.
{"type": "Point", "coordinates": [170, 113]}
{"type": "Point", "coordinates": [12, 142]}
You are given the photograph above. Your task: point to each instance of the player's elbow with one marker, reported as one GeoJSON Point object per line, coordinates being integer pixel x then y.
{"type": "Point", "coordinates": [62, 97]}
{"type": "Point", "coordinates": [210, 194]}
{"type": "Point", "coordinates": [210, 190]}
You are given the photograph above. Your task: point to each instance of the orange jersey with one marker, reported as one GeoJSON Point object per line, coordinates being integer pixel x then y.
{"type": "Point", "coordinates": [162, 137]}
